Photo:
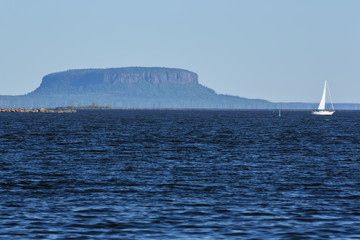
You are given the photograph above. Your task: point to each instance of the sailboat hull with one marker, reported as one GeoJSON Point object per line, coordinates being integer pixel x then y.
{"type": "Point", "coordinates": [321, 109]}
{"type": "Point", "coordinates": [325, 113]}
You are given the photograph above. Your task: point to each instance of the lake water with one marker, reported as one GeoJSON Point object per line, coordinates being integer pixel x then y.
{"type": "Point", "coordinates": [186, 174]}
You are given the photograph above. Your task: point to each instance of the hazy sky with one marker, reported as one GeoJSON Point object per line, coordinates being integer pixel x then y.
{"type": "Point", "coordinates": [279, 50]}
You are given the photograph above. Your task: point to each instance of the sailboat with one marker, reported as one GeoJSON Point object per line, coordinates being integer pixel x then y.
{"type": "Point", "coordinates": [321, 109]}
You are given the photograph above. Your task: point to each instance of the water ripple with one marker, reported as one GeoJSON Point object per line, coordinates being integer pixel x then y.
{"type": "Point", "coordinates": [179, 175]}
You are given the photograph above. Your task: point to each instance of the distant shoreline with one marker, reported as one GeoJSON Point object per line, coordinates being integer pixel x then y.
{"type": "Point", "coordinates": [34, 110]}
{"type": "Point", "coordinates": [74, 110]}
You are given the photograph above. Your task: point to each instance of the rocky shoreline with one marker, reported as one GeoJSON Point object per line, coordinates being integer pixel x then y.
{"type": "Point", "coordinates": [37, 110]}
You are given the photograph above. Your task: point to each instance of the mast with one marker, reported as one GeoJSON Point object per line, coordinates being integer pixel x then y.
{"type": "Point", "coordinates": [323, 98]}
{"type": "Point", "coordinates": [332, 105]}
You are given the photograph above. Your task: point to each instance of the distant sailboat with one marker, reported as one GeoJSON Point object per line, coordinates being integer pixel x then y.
{"type": "Point", "coordinates": [321, 109]}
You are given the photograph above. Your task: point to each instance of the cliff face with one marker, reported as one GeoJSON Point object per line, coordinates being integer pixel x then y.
{"type": "Point", "coordinates": [112, 79]}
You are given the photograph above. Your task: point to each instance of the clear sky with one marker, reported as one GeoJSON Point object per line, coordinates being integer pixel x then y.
{"type": "Point", "coordinates": [279, 50]}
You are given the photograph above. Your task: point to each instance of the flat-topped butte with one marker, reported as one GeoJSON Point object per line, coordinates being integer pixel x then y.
{"type": "Point", "coordinates": [129, 87]}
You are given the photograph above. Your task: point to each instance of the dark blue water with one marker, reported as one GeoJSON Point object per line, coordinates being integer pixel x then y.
{"type": "Point", "coordinates": [179, 175]}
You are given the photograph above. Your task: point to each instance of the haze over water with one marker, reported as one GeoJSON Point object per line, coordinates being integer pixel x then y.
{"type": "Point", "coordinates": [182, 174]}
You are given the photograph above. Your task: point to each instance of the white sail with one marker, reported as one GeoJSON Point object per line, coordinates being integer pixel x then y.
{"type": "Point", "coordinates": [321, 109]}
{"type": "Point", "coordinates": [322, 102]}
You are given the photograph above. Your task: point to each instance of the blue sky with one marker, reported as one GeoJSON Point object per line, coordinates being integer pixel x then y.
{"type": "Point", "coordinates": [279, 50]}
